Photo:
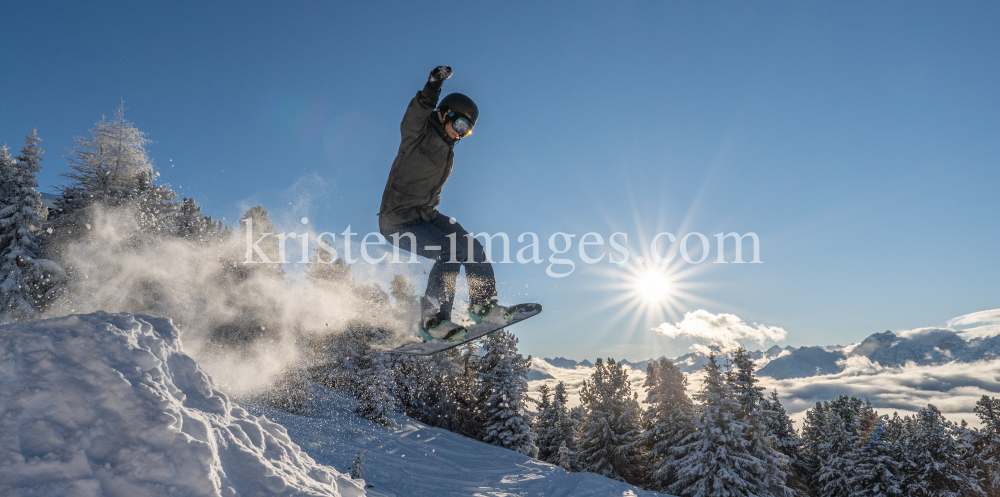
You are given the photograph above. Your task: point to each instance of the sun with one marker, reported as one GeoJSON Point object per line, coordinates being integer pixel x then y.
{"type": "Point", "coordinates": [652, 286]}
{"type": "Point", "coordinates": [652, 291]}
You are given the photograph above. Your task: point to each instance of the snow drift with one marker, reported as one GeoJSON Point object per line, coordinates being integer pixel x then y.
{"type": "Point", "coordinates": [107, 404]}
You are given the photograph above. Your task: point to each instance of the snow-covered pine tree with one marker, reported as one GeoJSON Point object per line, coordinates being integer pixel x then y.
{"type": "Point", "coordinates": [938, 468]}
{"type": "Point", "coordinates": [813, 436]}
{"type": "Point", "coordinates": [501, 386]}
{"type": "Point", "coordinates": [556, 430]}
{"type": "Point", "coordinates": [155, 206]}
{"type": "Point", "coordinates": [356, 365]}
{"type": "Point", "coordinates": [717, 459]}
{"type": "Point", "coordinates": [836, 456]}
{"type": "Point", "coordinates": [330, 275]}
{"type": "Point", "coordinates": [578, 415]}
{"type": "Point", "coordinates": [412, 373]}
{"type": "Point", "coordinates": [566, 457]}
{"type": "Point", "coordinates": [113, 169]}
{"type": "Point", "coordinates": [836, 451]}
{"type": "Point", "coordinates": [750, 397]}
{"type": "Point", "coordinates": [450, 393]}
{"type": "Point", "coordinates": [609, 441]}
{"type": "Point", "coordinates": [968, 439]}
{"type": "Point", "coordinates": [27, 281]}
{"type": "Point", "coordinates": [254, 308]}
{"type": "Point", "coordinates": [875, 471]}
{"type": "Point", "coordinates": [373, 302]}
{"type": "Point", "coordinates": [257, 232]}
{"type": "Point", "coordinates": [358, 466]}
{"type": "Point", "coordinates": [402, 290]}
{"type": "Point", "coordinates": [987, 444]}
{"type": "Point", "coordinates": [191, 225]}
{"type": "Point", "coordinates": [377, 400]}
{"type": "Point", "coordinates": [291, 391]}
{"type": "Point", "coordinates": [852, 450]}
{"type": "Point", "coordinates": [781, 427]}
{"type": "Point", "coordinates": [542, 423]}
{"type": "Point", "coordinates": [787, 441]}
{"type": "Point", "coordinates": [667, 421]}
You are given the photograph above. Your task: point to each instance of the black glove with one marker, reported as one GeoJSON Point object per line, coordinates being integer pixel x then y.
{"type": "Point", "coordinates": [438, 75]}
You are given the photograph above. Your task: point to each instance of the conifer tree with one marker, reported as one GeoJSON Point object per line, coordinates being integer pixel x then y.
{"type": "Point", "coordinates": [358, 466]}
{"type": "Point", "coordinates": [261, 250]}
{"type": "Point", "coordinates": [254, 309]}
{"type": "Point", "coordinates": [332, 275]}
{"type": "Point", "coordinates": [609, 441]}
{"type": "Point", "coordinates": [986, 447]}
{"type": "Point", "coordinates": [440, 390]}
{"type": "Point", "coordinates": [501, 387]}
{"type": "Point", "coordinates": [402, 290]}
{"type": "Point", "coordinates": [753, 414]}
{"type": "Point", "coordinates": [836, 451]}
{"type": "Point", "coordinates": [291, 391]}
{"type": "Point", "coordinates": [938, 469]}
{"type": "Point", "coordinates": [113, 169]}
{"type": "Point", "coordinates": [875, 472]}
{"type": "Point", "coordinates": [717, 458]}
{"type": "Point", "coordinates": [190, 224]}
{"type": "Point", "coordinates": [565, 457]}
{"type": "Point", "coordinates": [556, 429]}
{"type": "Point", "coordinates": [356, 365]}
{"type": "Point", "coordinates": [667, 421]}
{"type": "Point", "coordinates": [786, 441]}
{"type": "Point", "coordinates": [27, 281]}
{"type": "Point", "coordinates": [781, 427]}
{"type": "Point", "coordinates": [543, 423]}
{"type": "Point", "coordinates": [855, 451]}
{"type": "Point", "coordinates": [813, 436]}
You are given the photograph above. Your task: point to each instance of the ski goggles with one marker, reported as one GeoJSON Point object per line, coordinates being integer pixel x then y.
{"type": "Point", "coordinates": [461, 125]}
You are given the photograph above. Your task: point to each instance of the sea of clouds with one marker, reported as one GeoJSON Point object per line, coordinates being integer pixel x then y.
{"type": "Point", "coordinates": [952, 387]}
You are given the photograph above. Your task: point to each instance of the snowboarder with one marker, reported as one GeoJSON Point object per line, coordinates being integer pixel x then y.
{"type": "Point", "coordinates": [409, 220]}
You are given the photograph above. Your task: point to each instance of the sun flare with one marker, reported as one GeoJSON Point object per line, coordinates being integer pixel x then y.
{"type": "Point", "coordinates": [653, 286]}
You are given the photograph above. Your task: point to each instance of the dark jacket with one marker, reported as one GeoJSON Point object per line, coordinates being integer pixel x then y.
{"type": "Point", "coordinates": [422, 165]}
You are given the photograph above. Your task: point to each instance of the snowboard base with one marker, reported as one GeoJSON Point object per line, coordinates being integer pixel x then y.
{"type": "Point", "coordinates": [474, 332]}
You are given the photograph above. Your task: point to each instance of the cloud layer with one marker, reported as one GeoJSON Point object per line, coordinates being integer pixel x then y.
{"type": "Point", "coordinates": [953, 388]}
{"type": "Point", "coordinates": [988, 321]}
{"type": "Point", "coordinates": [724, 331]}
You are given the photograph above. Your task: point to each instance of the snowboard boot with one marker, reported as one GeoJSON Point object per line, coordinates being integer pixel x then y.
{"type": "Point", "coordinates": [491, 312]}
{"type": "Point", "coordinates": [442, 330]}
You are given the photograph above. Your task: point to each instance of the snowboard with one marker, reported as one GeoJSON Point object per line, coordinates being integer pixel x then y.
{"type": "Point", "coordinates": [474, 332]}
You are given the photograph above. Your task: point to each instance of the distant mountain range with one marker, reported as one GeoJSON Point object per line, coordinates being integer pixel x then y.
{"type": "Point", "coordinates": [923, 347]}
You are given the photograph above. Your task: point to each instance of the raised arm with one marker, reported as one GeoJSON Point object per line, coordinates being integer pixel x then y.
{"type": "Point", "coordinates": [423, 104]}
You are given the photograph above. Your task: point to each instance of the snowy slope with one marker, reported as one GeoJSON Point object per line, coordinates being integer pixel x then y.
{"type": "Point", "coordinates": [108, 404]}
{"type": "Point", "coordinates": [417, 460]}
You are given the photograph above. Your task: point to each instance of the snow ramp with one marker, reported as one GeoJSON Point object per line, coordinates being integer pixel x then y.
{"type": "Point", "coordinates": [108, 405]}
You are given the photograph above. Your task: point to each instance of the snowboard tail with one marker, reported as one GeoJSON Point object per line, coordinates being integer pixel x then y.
{"type": "Point", "coordinates": [474, 332]}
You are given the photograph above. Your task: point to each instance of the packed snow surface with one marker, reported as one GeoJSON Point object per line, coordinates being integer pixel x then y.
{"type": "Point", "coordinates": [108, 404]}
{"type": "Point", "coordinates": [420, 461]}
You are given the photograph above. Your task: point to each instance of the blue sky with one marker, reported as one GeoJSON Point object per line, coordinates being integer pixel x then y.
{"type": "Point", "coordinates": [858, 140]}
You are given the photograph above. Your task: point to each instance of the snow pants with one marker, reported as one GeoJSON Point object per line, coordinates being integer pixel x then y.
{"type": "Point", "coordinates": [433, 242]}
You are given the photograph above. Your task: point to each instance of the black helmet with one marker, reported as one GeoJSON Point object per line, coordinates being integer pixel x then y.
{"type": "Point", "coordinates": [456, 102]}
